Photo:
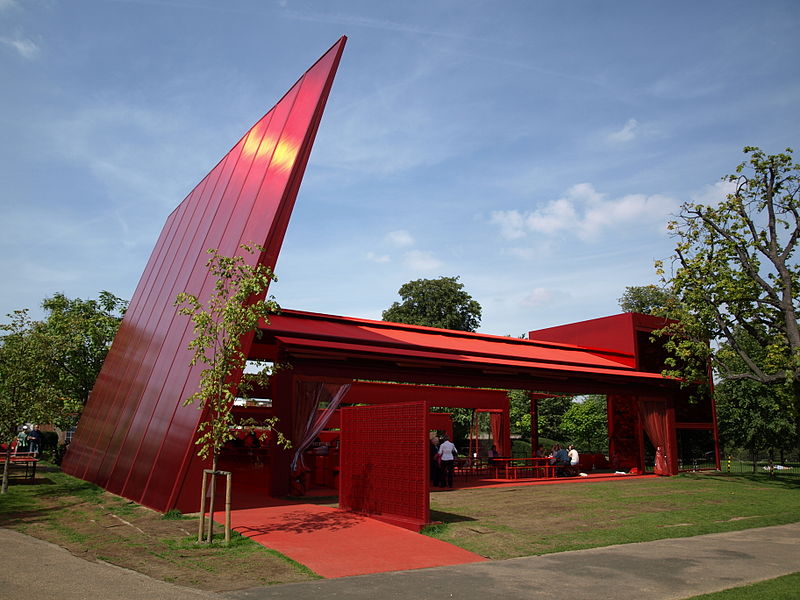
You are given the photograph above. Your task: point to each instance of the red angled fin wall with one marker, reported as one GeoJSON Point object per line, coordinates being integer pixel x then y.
{"type": "Point", "coordinates": [135, 437]}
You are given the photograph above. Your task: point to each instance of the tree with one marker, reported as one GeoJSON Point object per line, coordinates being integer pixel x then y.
{"type": "Point", "coordinates": [753, 416]}
{"type": "Point", "coordinates": [585, 424]}
{"type": "Point", "coordinates": [232, 313]}
{"type": "Point", "coordinates": [441, 303]}
{"type": "Point", "coordinates": [520, 413]}
{"type": "Point", "coordinates": [646, 299]}
{"type": "Point", "coordinates": [76, 335]}
{"type": "Point", "coordinates": [550, 413]}
{"type": "Point", "coordinates": [735, 271]}
{"type": "Point", "coordinates": [26, 391]}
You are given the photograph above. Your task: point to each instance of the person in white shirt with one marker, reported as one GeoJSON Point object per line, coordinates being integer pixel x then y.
{"type": "Point", "coordinates": [447, 453]}
{"type": "Point", "coordinates": [574, 459]}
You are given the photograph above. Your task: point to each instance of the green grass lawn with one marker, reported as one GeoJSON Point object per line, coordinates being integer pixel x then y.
{"type": "Point", "coordinates": [780, 588]}
{"type": "Point", "coordinates": [523, 521]}
{"type": "Point", "coordinates": [96, 525]}
{"type": "Point", "coordinates": [494, 522]}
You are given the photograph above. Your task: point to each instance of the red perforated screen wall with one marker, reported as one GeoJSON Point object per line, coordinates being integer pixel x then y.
{"type": "Point", "coordinates": [384, 462]}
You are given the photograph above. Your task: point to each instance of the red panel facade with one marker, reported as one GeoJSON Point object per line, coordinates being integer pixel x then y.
{"type": "Point", "coordinates": [362, 392]}
{"type": "Point", "coordinates": [135, 437]}
{"type": "Point", "coordinates": [384, 462]}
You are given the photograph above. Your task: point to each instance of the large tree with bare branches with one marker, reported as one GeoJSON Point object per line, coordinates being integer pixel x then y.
{"type": "Point", "coordinates": [736, 280]}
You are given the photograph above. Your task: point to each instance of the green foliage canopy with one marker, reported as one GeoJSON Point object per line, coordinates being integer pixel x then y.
{"type": "Point", "coordinates": [26, 389]}
{"type": "Point", "coordinates": [585, 424]}
{"type": "Point", "coordinates": [78, 335]}
{"type": "Point", "coordinates": [735, 270]}
{"type": "Point", "coordinates": [233, 311]}
{"type": "Point", "coordinates": [754, 415]}
{"type": "Point", "coordinates": [646, 299]}
{"type": "Point", "coordinates": [550, 413]}
{"type": "Point", "coordinates": [441, 303]}
{"type": "Point", "coordinates": [54, 363]}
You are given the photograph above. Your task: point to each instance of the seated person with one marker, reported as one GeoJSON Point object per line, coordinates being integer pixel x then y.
{"type": "Point", "coordinates": [574, 459]}
{"type": "Point", "coordinates": [560, 460]}
{"type": "Point", "coordinates": [492, 454]}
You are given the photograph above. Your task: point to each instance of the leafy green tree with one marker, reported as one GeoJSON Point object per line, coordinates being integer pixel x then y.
{"type": "Point", "coordinates": [550, 413]}
{"type": "Point", "coordinates": [646, 299]}
{"type": "Point", "coordinates": [26, 389]}
{"type": "Point", "coordinates": [753, 416]}
{"type": "Point", "coordinates": [232, 313]}
{"type": "Point", "coordinates": [441, 303]}
{"type": "Point", "coordinates": [735, 270]}
{"type": "Point", "coordinates": [76, 335]}
{"type": "Point", "coordinates": [520, 413]}
{"type": "Point", "coordinates": [585, 424]}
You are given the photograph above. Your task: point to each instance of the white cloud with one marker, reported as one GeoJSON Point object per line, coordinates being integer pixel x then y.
{"type": "Point", "coordinates": [711, 195]}
{"type": "Point", "coordinates": [400, 238]}
{"type": "Point", "coordinates": [538, 297]}
{"type": "Point", "coordinates": [4, 4]}
{"type": "Point", "coordinates": [25, 46]}
{"type": "Point", "coordinates": [378, 258]}
{"type": "Point", "coordinates": [511, 222]}
{"type": "Point", "coordinates": [627, 133]}
{"type": "Point", "coordinates": [419, 260]}
{"type": "Point", "coordinates": [586, 213]}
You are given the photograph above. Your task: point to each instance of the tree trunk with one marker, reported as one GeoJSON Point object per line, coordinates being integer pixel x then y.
{"type": "Point", "coordinates": [213, 492]}
{"type": "Point", "coordinates": [771, 464]}
{"type": "Point", "coordinates": [6, 466]}
{"type": "Point", "coordinates": [796, 390]}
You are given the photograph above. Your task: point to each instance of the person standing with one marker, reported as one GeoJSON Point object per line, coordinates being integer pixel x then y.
{"type": "Point", "coordinates": [447, 453]}
{"type": "Point", "coordinates": [35, 441]}
{"type": "Point", "coordinates": [22, 440]}
{"type": "Point", "coordinates": [436, 474]}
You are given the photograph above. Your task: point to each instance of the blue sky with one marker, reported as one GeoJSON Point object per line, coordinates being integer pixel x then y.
{"type": "Point", "coordinates": [534, 148]}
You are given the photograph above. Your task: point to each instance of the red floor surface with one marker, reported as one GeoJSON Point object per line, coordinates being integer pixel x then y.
{"type": "Point", "coordinates": [470, 483]}
{"type": "Point", "coordinates": [335, 543]}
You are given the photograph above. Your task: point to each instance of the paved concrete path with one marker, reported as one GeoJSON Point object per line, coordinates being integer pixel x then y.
{"type": "Point", "coordinates": [44, 570]}
{"type": "Point", "coordinates": [661, 570]}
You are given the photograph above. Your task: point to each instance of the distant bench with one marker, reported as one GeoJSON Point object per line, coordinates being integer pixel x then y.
{"type": "Point", "coordinates": [514, 468]}
{"type": "Point", "coordinates": [22, 460]}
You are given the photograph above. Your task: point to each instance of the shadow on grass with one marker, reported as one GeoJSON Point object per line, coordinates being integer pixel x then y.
{"type": "Point", "coordinates": [446, 517]}
{"type": "Point", "coordinates": [20, 513]}
{"type": "Point", "coordinates": [779, 480]}
{"type": "Point", "coordinates": [27, 481]}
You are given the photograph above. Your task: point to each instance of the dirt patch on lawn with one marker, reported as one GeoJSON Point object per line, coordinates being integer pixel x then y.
{"type": "Point", "coordinates": [99, 526]}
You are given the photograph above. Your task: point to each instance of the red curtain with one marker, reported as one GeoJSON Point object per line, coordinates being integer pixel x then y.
{"type": "Point", "coordinates": [654, 421]}
{"type": "Point", "coordinates": [500, 432]}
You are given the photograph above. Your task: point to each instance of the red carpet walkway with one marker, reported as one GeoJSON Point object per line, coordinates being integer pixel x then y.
{"type": "Point", "coordinates": [335, 543]}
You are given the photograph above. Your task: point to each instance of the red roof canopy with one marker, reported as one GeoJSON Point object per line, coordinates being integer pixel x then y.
{"type": "Point", "coordinates": [360, 348]}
